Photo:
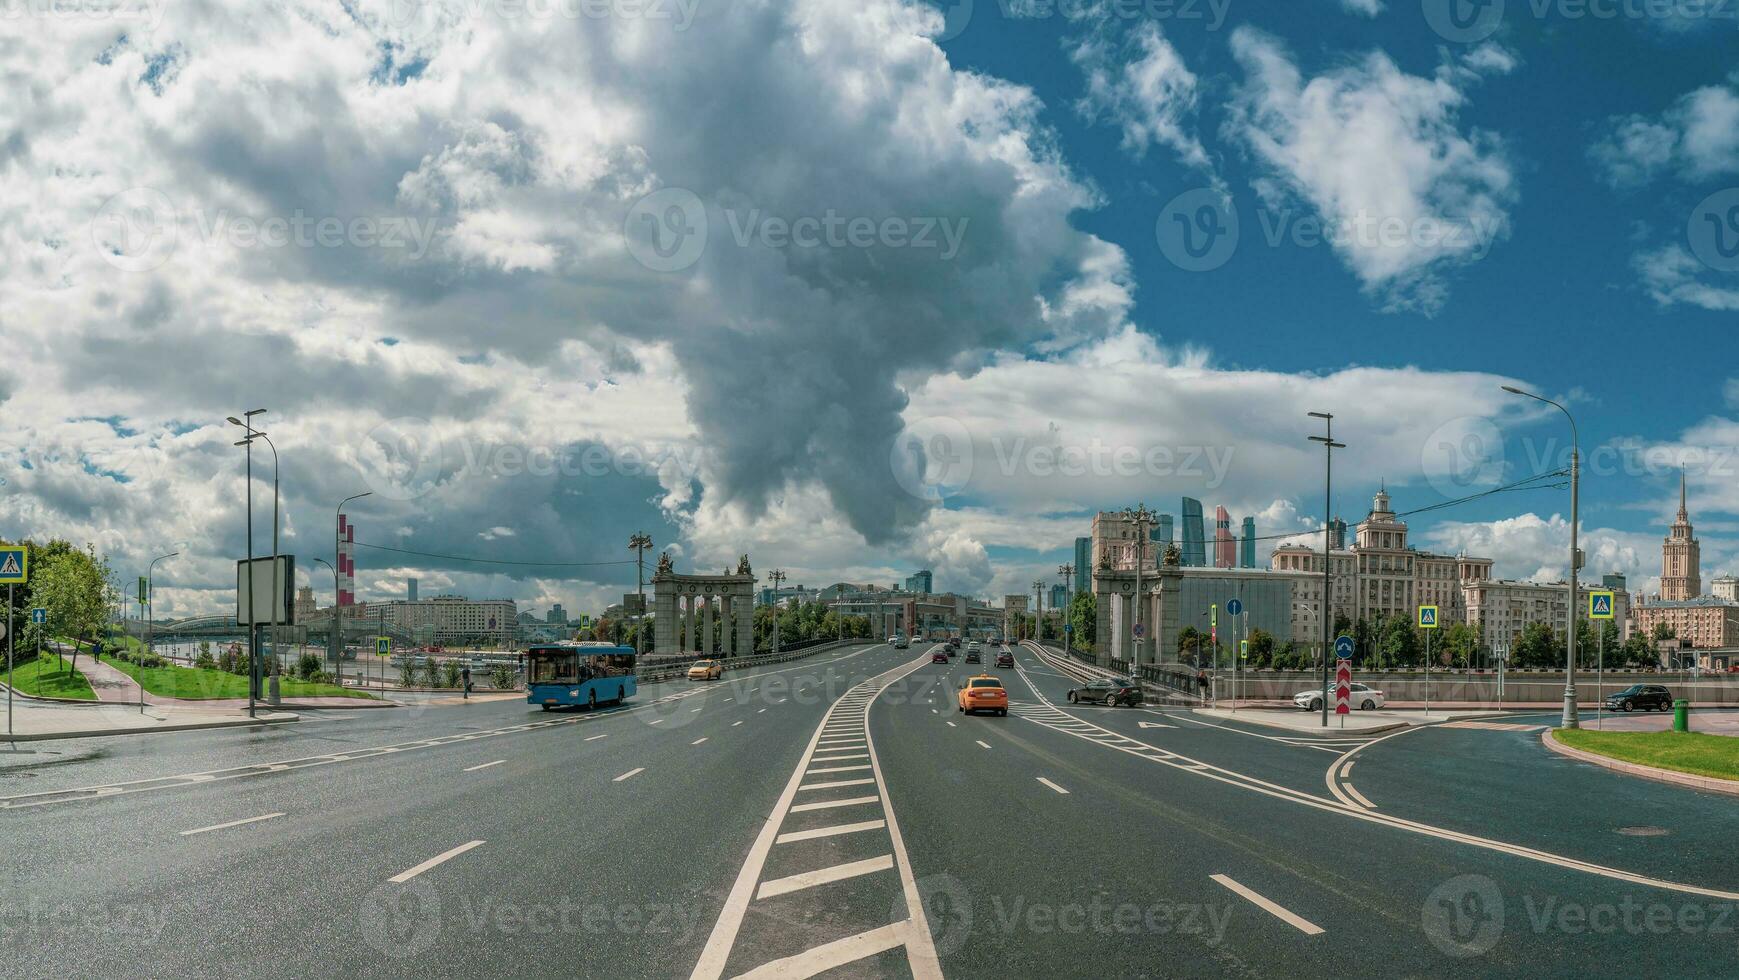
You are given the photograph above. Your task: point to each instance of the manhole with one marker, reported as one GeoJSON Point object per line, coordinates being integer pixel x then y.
{"type": "Point", "coordinates": [1644, 831]}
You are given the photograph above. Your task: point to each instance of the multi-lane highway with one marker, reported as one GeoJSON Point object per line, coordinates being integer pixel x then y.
{"type": "Point", "coordinates": [838, 814]}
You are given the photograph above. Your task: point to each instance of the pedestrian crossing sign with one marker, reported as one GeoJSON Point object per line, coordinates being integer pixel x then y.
{"type": "Point", "coordinates": [1600, 605]}
{"type": "Point", "coordinates": [1427, 617]}
{"type": "Point", "coordinates": [382, 645]}
{"type": "Point", "coordinates": [14, 565]}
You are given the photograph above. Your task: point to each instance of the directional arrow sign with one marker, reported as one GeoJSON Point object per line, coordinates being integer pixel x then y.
{"type": "Point", "coordinates": [1343, 647]}
{"type": "Point", "coordinates": [1235, 607]}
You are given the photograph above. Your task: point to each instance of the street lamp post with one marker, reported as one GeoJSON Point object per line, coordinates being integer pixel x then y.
{"type": "Point", "coordinates": [253, 628]}
{"type": "Point", "coordinates": [1329, 446]}
{"type": "Point", "coordinates": [1066, 572]}
{"type": "Point", "coordinates": [640, 541]}
{"type": "Point", "coordinates": [1569, 719]}
{"type": "Point", "coordinates": [151, 614]}
{"type": "Point", "coordinates": [777, 576]}
{"type": "Point", "coordinates": [335, 638]}
{"type": "Point", "coordinates": [1141, 517]}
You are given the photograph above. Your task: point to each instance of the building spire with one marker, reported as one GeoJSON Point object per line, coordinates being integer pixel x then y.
{"type": "Point", "coordinates": [1683, 514]}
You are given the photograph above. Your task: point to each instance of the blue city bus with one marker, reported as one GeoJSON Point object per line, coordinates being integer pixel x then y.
{"type": "Point", "coordinates": [587, 674]}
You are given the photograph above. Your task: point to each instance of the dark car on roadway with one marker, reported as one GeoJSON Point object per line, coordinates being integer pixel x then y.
{"type": "Point", "coordinates": [1005, 659]}
{"type": "Point", "coordinates": [972, 657]}
{"type": "Point", "coordinates": [1640, 697]}
{"type": "Point", "coordinates": [938, 657]}
{"type": "Point", "coordinates": [1108, 691]}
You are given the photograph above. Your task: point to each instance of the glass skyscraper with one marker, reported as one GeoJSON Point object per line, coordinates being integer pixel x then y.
{"type": "Point", "coordinates": [1247, 544]}
{"type": "Point", "coordinates": [1195, 548]}
{"type": "Point", "coordinates": [1083, 565]}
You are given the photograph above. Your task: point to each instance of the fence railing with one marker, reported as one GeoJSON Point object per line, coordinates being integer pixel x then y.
{"type": "Point", "coordinates": [666, 669]}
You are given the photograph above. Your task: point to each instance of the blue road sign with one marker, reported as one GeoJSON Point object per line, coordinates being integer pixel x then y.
{"type": "Point", "coordinates": [1600, 605]}
{"type": "Point", "coordinates": [1427, 617]}
{"type": "Point", "coordinates": [1068, 627]}
{"type": "Point", "coordinates": [1235, 607]}
{"type": "Point", "coordinates": [14, 565]}
{"type": "Point", "coordinates": [1343, 647]}
{"type": "Point", "coordinates": [39, 615]}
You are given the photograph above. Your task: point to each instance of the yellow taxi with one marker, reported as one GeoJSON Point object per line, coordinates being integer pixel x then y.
{"type": "Point", "coordinates": [983, 693]}
{"type": "Point", "coordinates": [705, 670]}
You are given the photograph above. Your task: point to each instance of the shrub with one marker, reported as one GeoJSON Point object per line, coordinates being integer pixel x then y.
{"type": "Point", "coordinates": [408, 673]}
{"type": "Point", "coordinates": [308, 666]}
{"type": "Point", "coordinates": [432, 673]}
{"type": "Point", "coordinates": [450, 673]}
{"type": "Point", "coordinates": [205, 659]}
{"type": "Point", "coordinates": [502, 676]}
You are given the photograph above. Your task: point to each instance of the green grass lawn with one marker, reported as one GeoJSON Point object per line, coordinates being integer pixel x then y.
{"type": "Point", "coordinates": [196, 683]}
{"type": "Point", "coordinates": [50, 676]}
{"type": "Point", "coordinates": [1692, 752]}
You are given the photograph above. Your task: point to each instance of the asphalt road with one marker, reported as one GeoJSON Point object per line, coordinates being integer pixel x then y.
{"type": "Point", "coordinates": [839, 815]}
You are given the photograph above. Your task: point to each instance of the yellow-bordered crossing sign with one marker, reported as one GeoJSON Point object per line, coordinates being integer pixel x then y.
{"type": "Point", "coordinates": [1427, 617]}
{"type": "Point", "coordinates": [1600, 605]}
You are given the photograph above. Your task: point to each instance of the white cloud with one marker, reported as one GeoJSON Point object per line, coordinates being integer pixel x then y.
{"type": "Point", "coordinates": [1367, 8]}
{"type": "Point", "coordinates": [1673, 276]}
{"type": "Point", "coordinates": [1378, 154]}
{"type": "Point", "coordinates": [1143, 87]}
{"type": "Point", "coordinates": [1697, 138]}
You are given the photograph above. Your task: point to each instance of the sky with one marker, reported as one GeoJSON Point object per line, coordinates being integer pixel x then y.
{"type": "Point", "coordinates": [857, 289]}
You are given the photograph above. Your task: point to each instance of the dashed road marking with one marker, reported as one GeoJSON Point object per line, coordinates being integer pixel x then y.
{"type": "Point", "coordinates": [1053, 786]}
{"type": "Point", "coordinates": [485, 765]}
{"type": "Point", "coordinates": [226, 826]}
{"type": "Point", "coordinates": [630, 773]}
{"type": "Point", "coordinates": [1272, 908]}
{"type": "Point", "coordinates": [404, 876]}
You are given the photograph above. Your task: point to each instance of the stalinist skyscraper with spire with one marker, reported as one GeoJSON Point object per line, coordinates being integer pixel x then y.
{"type": "Point", "coordinates": [1681, 557]}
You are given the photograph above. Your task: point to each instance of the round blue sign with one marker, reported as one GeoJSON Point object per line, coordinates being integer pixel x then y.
{"type": "Point", "coordinates": [1343, 647]}
{"type": "Point", "coordinates": [1235, 607]}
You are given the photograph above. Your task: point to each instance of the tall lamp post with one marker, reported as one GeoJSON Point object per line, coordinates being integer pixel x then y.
{"type": "Point", "coordinates": [1039, 611]}
{"type": "Point", "coordinates": [151, 612]}
{"type": "Point", "coordinates": [1066, 572]}
{"type": "Point", "coordinates": [337, 612]}
{"type": "Point", "coordinates": [777, 576]}
{"type": "Point", "coordinates": [640, 541]}
{"type": "Point", "coordinates": [253, 628]}
{"type": "Point", "coordinates": [1569, 719]}
{"type": "Point", "coordinates": [1329, 446]}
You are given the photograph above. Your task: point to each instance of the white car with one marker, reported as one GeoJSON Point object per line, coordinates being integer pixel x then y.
{"type": "Point", "coordinates": [1363, 698]}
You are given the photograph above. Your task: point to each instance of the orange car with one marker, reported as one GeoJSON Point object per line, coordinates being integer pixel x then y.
{"type": "Point", "coordinates": [983, 693]}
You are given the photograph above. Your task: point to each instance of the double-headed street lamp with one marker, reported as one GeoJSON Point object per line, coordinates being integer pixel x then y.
{"type": "Point", "coordinates": [337, 634]}
{"type": "Point", "coordinates": [1141, 517]}
{"type": "Point", "coordinates": [253, 628]}
{"type": "Point", "coordinates": [1329, 446]}
{"type": "Point", "coordinates": [639, 542]}
{"type": "Point", "coordinates": [1066, 572]}
{"type": "Point", "coordinates": [1569, 719]}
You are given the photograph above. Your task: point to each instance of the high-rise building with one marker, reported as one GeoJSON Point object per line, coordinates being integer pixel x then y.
{"type": "Point", "coordinates": [1617, 583]}
{"type": "Point", "coordinates": [410, 590]}
{"type": "Point", "coordinates": [1681, 557]}
{"type": "Point", "coordinates": [346, 562]}
{"type": "Point", "coordinates": [1195, 554]}
{"type": "Point", "coordinates": [1225, 549]}
{"type": "Point", "coordinates": [1247, 544]}
{"type": "Point", "coordinates": [1059, 596]}
{"type": "Point", "coordinates": [920, 582]}
{"type": "Point", "coordinates": [1337, 534]}
{"type": "Point", "coordinates": [1726, 587]}
{"type": "Point", "coordinates": [1083, 564]}
{"type": "Point", "coordinates": [556, 614]}
{"type": "Point", "coordinates": [1163, 533]}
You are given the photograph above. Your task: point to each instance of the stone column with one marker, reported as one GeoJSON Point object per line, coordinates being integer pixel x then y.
{"type": "Point", "coordinates": [664, 621]}
{"type": "Point", "coordinates": [706, 626]}
{"type": "Point", "coordinates": [1166, 622]}
{"type": "Point", "coordinates": [727, 637]}
{"type": "Point", "coordinates": [1101, 618]}
{"type": "Point", "coordinates": [687, 623]}
{"type": "Point", "coordinates": [746, 619]}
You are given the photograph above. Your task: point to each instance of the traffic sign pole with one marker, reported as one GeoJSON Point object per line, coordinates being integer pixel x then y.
{"type": "Point", "coordinates": [9, 662]}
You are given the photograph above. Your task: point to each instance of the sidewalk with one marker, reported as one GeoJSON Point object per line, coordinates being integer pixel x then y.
{"type": "Point", "coordinates": [113, 686]}
{"type": "Point", "coordinates": [34, 720]}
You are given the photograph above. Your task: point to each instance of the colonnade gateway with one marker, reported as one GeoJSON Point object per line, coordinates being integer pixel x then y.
{"type": "Point", "coordinates": [686, 608]}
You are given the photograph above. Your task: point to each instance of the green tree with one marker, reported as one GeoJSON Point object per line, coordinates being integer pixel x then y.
{"type": "Point", "coordinates": [74, 587]}
{"type": "Point", "coordinates": [1461, 642]}
{"type": "Point", "coordinates": [1261, 648]}
{"type": "Point", "coordinates": [1538, 647]}
{"type": "Point", "coordinates": [1084, 617]}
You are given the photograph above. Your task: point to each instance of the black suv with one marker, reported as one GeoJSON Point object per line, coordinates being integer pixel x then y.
{"type": "Point", "coordinates": [1640, 697]}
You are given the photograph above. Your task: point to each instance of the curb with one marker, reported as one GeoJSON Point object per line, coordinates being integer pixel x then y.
{"type": "Point", "coordinates": [1317, 733]}
{"type": "Point", "coordinates": [1710, 784]}
{"type": "Point", "coordinates": [239, 723]}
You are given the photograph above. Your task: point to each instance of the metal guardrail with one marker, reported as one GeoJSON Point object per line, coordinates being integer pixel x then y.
{"type": "Point", "coordinates": [664, 670]}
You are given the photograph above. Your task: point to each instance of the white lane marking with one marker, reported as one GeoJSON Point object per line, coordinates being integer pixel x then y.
{"type": "Point", "coordinates": [405, 876]}
{"type": "Point", "coordinates": [1053, 786]}
{"type": "Point", "coordinates": [728, 699]}
{"type": "Point", "coordinates": [838, 758]}
{"type": "Point", "coordinates": [594, 738]}
{"type": "Point", "coordinates": [952, 725]}
{"type": "Point", "coordinates": [982, 744]}
{"type": "Point", "coordinates": [695, 711]}
{"type": "Point", "coordinates": [762, 711]}
{"type": "Point", "coordinates": [698, 740]}
{"type": "Point", "coordinates": [1355, 794]}
{"type": "Point", "coordinates": [225, 826]}
{"type": "Point", "coordinates": [735, 724]}
{"type": "Point", "coordinates": [834, 831]}
{"type": "Point", "coordinates": [838, 783]}
{"type": "Point", "coordinates": [629, 773]}
{"type": "Point", "coordinates": [830, 804]}
{"type": "Point", "coordinates": [658, 721]}
{"type": "Point", "coordinates": [485, 765]}
{"type": "Point", "coordinates": [814, 772]}
{"type": "Point", "coordinates": [934, 711]}
{"type": "Point", "coordinates": [1290, 918]}
{"type": "Point", "coordinates": [828, 956]}
{"type": "Point", "coordinates": [809, 879]}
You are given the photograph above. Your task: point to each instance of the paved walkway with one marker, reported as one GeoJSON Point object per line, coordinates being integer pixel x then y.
{"type": "Point", "coordinates": [1709, 722]}
{"type": "Point", "coordinates": [32, 720]}
{"type": "Point", "coordinates": [114, 686]}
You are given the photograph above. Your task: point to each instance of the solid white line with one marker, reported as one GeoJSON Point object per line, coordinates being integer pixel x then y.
{"type": "Point", "coordinates": [238, 823]}
{"type": "Point", "coordinates": [1295, 921]}
{"type": "Point", "coordinates": [405, 876]}
{"type": "Point", "coordinates": [829, 956]}
{"type": "Point", "coordinates": [1367, 804]}
{"type": "Point", "coordinates": [659, 721]}
{"type": "Point", "coordinates": [982, 744]}
{"type": "Point", "coordinates": [834, 831]}
{"type": "Point", "coordinates": [594, 738]}
{"type": "Point", "coordinates": [1053, 786]}
{"type": "Point", "coordinates": [837, 769]}
{"type": "Point", "coordinates": [830, 804]}
{"type": "Point", "coordinates": [838, 783]}
{"type": "Point", "coordinates": [735, 724]}
{"type": "Point", "coordinates": [631, 772]}
{"type": "Point", "coordinates": [485, 765]}
{"type": "Point", "coordinates": [838, 758]}
{"type": "Point", "coordinates": [809, 879]}
{"type": "Point", "coordinates": [698, 740]}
